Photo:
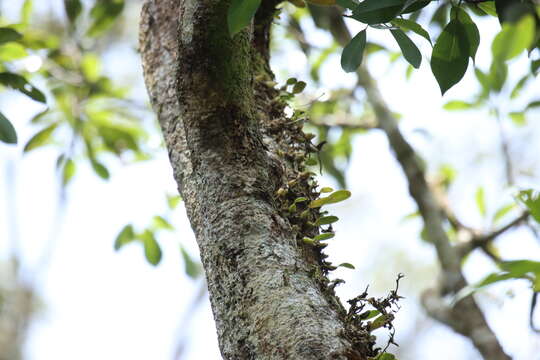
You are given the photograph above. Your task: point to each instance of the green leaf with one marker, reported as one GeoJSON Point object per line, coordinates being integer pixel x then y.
{"type": "Point", "coordinates": [299, 87]}
{"type": "Point", "coordinates": [483, 79]}
{"type": "Point", "coordinates": [326, 189]}
{"type": "Point", "coordinates": [240, 14]}
{"type": "Point", "coordinates": [450, 56]}
{"type": "Point", "coordinates": [531, 200]}
{"type": "Point", "coordinates": [498, 72]}
{"type": "Point", "coordinates": [91, 67]}
{"type": "Point", "coordinates": [415, 6]}
{"type": "Point", "coordinates": [159, 222]}
{"type": "Point", "coordinates": [173, 201]}
{"type": "Point", "coordinates": [192, 268]}
{"type": "Point", "coordinates": [512, 10]}
{"type": "Point", "coordinates": [519, 86]}
{"type": "Point", "coordinates": [348, 4]}
{"type": "Point", "coordinates": [125, 236]}
{"type": "Point", "coordinates": [41, 138]}
{"type": "Point", "coordinates": [405, 24]}
{"type": "Point", "coordinates": [535, 65]}
{"type": "Point", "coordinates": [519, 268]}
{"type": "Point", "coordinates": [386, 356]}
{"type": "Point", "coordinates": [73, 9]}
{"type": "Point", "coordinates": [473, 35]}
{"type": "Point", "coordinates": [152, 251]}
{"type": "Point", "coordinates": [7, 131]}
{"type": "Point", "coordinates": [369, 314]}
{"type": "Point", "coordinates": [408, 48]}
{"type": "Point", "coordinates": [352, 54]}
{"type": "Point", "coordinates": [481, 201]}
{"type": "Point", "coordinates": [326, 220]}
{"type": "Point", "coordinates": [8, 34]}
{"type": "Point", "coordinates": [500, 213]}
{"type": "Point", "coordinates": [488, 8]}
{"type": "Point", "coordinates": [377, 11]}
{"type": "Point", "coordinates": [335, 197]}
{"type": "Point", "coordinates": [26, 11]}
{"type": "Point", "coordinates": [513, 39]}
{"type": "Point", "coordinates": [457, 105]}
{"type": "Point", "coordinates": [12, 51]}
{"type": "Point", "coordinates": [100, 169]}
{"type": "Point", "coordinates": [68, 171]}
{"type": "Point", "coordinates": [324, 236]}
{"type": "Point", "coordinates": [347, 265]}
{"type": "Point", "coordinates": [104, 14]}
{"type": "Point", "coordinates": [533, 104]}
{"type": "Point", "coordinates": [518, 118]}
{"type": "Point", "coordinates": [19, 83]}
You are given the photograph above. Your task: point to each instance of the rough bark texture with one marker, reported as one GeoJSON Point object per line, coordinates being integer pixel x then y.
{"type": "Point", "coordinates": [231, 149]}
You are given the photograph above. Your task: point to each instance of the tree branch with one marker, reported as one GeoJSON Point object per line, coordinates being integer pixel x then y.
{"type": "Point", "coordinates": [482, 241]}
{"type": "Point", "coordinates": [227, 134]}
{"type": "Point", "coordinates": [465, 317]}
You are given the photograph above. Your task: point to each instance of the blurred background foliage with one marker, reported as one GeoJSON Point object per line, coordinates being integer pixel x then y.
{"type": "Point", "coordinates": [74, 61]}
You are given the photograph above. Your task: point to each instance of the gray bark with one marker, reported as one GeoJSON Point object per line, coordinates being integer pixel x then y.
{"type": "Point", "coordinates": [231, 149]}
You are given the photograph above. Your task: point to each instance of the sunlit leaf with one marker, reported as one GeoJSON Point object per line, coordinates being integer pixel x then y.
{"type": "Point", "coordinates": [125, 236]}
{"type": "Point", "coordinates": [192, 268]}
{"type": "Point", "coordinates": [518, 118]}
{"type": "Point", "coordinates": [347, 265]}
{"type": "Point", "coordinates": [519, 86]}
{"type": "Point", "coordinates": [152, 251]}
{"type": "Point", "coordinates": [498, 73]}
{"type": "Point", "coordinates": [480, 201]}
{"type": "Point", "coordinates": [335, 197]}
{"type": "Point", "coordinates": [326, 220]}
{"type": "Point", "coordinates": [91, 67]}
{"type": "Point", "coordinates": [500, 213]}
{"type": "Point", "coordinates": [240, 14]}
{"type": "Point", "coordinates": [173, 201]}
{"type": "Point", "coordinates": [159, 222]}
{"type": "Point", "coordinates": [457, 105]}
{"type": "Point", "coordinates": [68, 171]}
{"type": "Point", "coordinates": [513, 39]}
{"type": "Point", "coordinates": [12, 51]}
{"type": "Point", "coordinates": [531, 199]}
{"type": "Point", "coordinates": [324, 236]}
{"type": "Point", "coordinates": [26, 11]}
{"type": "Point", "coordinates": [42, 137]}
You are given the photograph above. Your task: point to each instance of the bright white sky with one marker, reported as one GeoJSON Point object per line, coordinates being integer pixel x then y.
{"type": "Point", "coordinates": [99, 304]}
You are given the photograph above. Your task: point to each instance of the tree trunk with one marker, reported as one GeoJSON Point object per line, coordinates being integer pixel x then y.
{"type": "Point", "coordinates": [238, 162]}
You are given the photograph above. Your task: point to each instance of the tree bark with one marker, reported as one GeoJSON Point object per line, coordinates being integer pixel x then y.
{"type": "Point", "coordinates": [231, 149]}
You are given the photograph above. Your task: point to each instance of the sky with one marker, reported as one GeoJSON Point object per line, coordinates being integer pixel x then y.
{"type": "Point", "coordinates": [98, 303]}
